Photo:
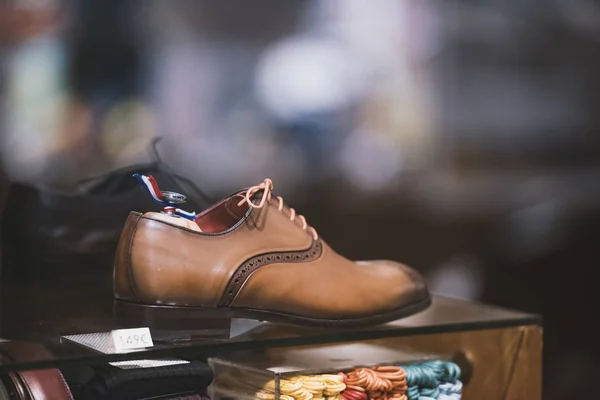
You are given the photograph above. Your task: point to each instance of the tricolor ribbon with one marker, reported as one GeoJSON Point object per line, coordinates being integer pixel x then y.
{"type": "Point", "coordinates": [151, 186]}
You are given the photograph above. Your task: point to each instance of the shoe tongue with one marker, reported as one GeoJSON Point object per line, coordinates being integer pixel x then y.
{"type": "Point", "coordinates": [241, 195]}
{"type": "Point", "coordinates": [257, 196]}
{"type": "Point", "coordinates": [236, 205]}
{"type": "Point", "coordinates": [232, 207]}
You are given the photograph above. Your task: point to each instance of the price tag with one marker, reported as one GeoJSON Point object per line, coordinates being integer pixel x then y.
{"type": "Point", "coordinates": [130, 339]}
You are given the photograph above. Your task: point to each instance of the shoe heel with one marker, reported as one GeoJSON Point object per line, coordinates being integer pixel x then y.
{"type": "Point", "coordinates": [196, 321]}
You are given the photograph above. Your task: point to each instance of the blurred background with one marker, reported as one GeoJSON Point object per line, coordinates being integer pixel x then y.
{"type": "Point", "coordinates": [460, 136]}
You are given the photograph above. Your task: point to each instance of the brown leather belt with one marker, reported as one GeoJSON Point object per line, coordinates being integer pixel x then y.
{"type": "Point", "coordinates": [42, 384]}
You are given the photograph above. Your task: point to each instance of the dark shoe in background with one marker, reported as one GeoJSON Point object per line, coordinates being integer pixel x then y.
{"type": "Point", "coordinates": [61, 246]}
{"type": "Point", "coordinates": [42, 228]}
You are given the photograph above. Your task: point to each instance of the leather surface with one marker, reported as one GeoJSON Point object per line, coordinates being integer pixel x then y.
{"type": "Point", "coordinates": [46, 384]}
{"type": "Point", "coordinates": [331, 287]}
{"type": "Point", "coordinates": [19, 387]}
{"type": "Point", "coordinates": [121, 281]}
{"type": "Point", "coordinates": [171, 265]}
{"type": "Point", "coordinates": [238, 280]}
{"type": "Point", "coordinates": [159, 263]}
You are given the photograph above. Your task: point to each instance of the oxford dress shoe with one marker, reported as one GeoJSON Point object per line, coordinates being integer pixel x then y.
{"type": "Point", "coordinates": [251, 256]}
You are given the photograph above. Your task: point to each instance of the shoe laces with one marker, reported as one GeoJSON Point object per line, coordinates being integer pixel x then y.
{"type": "Point", "coordinates": [267, 187]}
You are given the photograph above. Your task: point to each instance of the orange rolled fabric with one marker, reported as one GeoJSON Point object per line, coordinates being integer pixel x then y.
{"type": "Point", "coordinates": [379, 383]}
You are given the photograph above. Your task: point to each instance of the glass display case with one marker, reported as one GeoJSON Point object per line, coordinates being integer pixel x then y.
{"type": "Point", "coordinates": [499, 351]}
{"type": "Point", "coordinates": [321, 370]}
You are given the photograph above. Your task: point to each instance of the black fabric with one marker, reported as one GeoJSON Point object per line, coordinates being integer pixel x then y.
{"type": "Point", "coordinates": [108, 382]}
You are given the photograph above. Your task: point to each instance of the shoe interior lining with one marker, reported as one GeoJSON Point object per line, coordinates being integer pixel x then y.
{"type": "Point", "coordinates": [223, 215]}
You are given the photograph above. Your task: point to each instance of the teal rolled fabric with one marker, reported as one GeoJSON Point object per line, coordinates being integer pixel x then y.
{"type": "Point", "coordinates": [433, 380]}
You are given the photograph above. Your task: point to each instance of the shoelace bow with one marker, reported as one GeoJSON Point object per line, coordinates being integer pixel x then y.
{"type": "Point", "coordinates": [267, 187]}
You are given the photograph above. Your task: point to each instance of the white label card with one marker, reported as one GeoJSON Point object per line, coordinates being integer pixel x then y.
{"type": "Point", "coordinates": [130, 339]}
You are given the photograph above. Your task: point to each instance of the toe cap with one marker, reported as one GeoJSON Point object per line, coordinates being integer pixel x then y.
{"type": "Point", "coordinates": [421, 291]}
{"type": "Point", "coordinates": [408, 284]}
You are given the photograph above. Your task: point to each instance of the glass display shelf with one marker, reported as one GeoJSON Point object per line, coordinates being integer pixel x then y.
{"type": "Point", "coordinates": [43, 305]}
{"type": "Point", "coordinates": [37, 321]}
{"type": "Point", "coordinates": [307, 360]}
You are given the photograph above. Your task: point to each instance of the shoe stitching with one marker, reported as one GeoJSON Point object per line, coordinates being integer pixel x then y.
{"type": "Point", "coordinates": [251, 265]}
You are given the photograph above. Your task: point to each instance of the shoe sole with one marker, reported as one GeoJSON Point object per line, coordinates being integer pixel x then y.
{"type": "Point", "coordinates": [191, 318]}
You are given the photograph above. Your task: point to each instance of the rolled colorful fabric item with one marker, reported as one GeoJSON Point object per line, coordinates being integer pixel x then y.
{"type": "Point", "coordinates": [421, 375]}
{"type": "Point", "coordinates": [396, 375]}
{"type": "Point", "coordinates": [334, 386]}
{"type": "Point", "coordinates": [451, 388]}
{"type": "Point", "coordinates": [311, 383]}
{"type": "Point", "coordinates": [412, 393]}
{"type": "Point", "coordinates": [449, 397]}
{"type": "Point", "coordinates": [377, 383]}
{"type": "Point", "coordinates": [448, 375]}
{"type": "Point", "coordinates": [445, 371]}
{"type": "Point", "coordinates": [353, 392]}
{"type": "Point", "coordinates": [432, 379]}
{"type": "Point", "coordinates": [452, 372]}
{"type": "Point", "coordinates": [418, 378]}
{"type": "Point", "coordinates": [424, 381]}
{"type": "Point", "coordinates": [370, 381]}
{"type": "Point", "coordinates": [437, 366]}
{"type": "Point", "coordinates": [302, 387]}
{"type": "Point", "coordinates": [429, 392]}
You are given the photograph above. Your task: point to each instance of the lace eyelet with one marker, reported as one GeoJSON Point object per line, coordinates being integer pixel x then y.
{"type": "Point", "coordinates": [267, 187]}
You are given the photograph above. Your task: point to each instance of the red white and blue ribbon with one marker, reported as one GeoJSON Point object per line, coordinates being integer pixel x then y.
{"type": "Point", "coordinates": [151, 186]}
{"type": "Point", "coordinates": [185, 214]}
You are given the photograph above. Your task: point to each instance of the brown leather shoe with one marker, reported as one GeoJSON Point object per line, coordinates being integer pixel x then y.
{"type": "Point", "coordinates": [250, 256]}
